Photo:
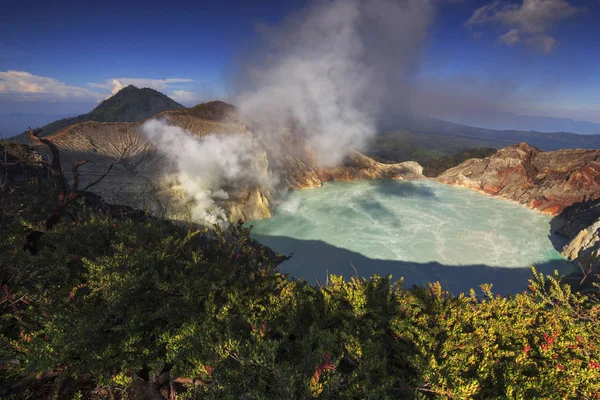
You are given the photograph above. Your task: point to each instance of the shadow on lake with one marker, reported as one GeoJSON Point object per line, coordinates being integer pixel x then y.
{"type": "Point", "coordinates": [314, 259]}
{"type": "Point", "coordinates": [402, 189]}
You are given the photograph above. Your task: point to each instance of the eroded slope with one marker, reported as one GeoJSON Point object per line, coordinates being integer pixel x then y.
{"type": "Point", "coordinates": [139, 179]}
{"type": "Point", "coordinates": [544, 181]}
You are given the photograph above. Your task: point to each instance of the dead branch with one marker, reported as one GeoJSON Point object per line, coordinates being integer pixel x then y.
{"type": "Point", "coordinates": [65, 196]}
{"type": "Point", "coordinates": [55, 166]}
{"type": "Point", "coordinates": [34, 135]}
{"type": "Point", "coordinates": [5, 162]}
{"type": "Point", "coordinates": [75, 172]}
{"type": "Point", "coordinates": [123, 153]}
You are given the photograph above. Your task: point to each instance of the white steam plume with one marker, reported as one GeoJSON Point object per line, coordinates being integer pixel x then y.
{"type": "Point", "coordinates": [328, 71]}
{"type": "Point", "coordinates": [331, 70]}
{"type": "Point", "coordinates": [207, 167]}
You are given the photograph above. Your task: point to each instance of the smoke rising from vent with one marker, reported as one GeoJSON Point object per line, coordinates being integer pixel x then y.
{"type": "Point", "coordinates": [207, 167]}
{"type": "Point", "coordinates": [325, 76]}
{"type": "Point", "coordinates": [332, 70]}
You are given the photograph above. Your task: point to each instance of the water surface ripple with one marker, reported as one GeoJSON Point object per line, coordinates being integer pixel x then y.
{"type": "Point", "coordinates": [420, 230]}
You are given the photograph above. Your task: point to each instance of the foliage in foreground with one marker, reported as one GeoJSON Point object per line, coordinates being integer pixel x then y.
{"type": "Point", "coordinates": [109, 302]}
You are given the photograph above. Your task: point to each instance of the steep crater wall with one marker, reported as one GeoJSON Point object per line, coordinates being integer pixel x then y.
{"type": "Point", "coordinates": [135, 180]}
{"type": "Point", "coordinates": [544, 181]}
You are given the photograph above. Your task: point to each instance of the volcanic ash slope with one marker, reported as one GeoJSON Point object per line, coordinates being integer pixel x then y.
{"type": "Point", "coordinates": [141, 179]}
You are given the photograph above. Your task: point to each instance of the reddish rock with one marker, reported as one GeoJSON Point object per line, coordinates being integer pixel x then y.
{"type": "Point", "coordinates": [544, 181]}
{"type": "Point", "coordinates": [357, 166]}
{"type": "Point", "coordinates": [301, 171]}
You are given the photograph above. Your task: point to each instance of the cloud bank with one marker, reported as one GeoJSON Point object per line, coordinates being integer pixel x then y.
{"type": "Point", "coordinates": [186, 97]}
{"type": "Point", "coordinates": [530, 22]}
{"type": "Point", "coordinates": [24, 86]}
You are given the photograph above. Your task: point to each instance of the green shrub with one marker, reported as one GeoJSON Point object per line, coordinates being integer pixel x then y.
{"type": "Point", "coordinates": [110, 301]}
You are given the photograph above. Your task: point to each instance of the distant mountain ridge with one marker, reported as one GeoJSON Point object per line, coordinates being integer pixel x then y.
{"type": "Point", "coordinates": [130, 104]}
{"type": "Point", "coordinates": [511, 121]}
{"type": "Point", "coordinates": [495, 138]}
{"type": "Point", "coordinates": [216, 110]}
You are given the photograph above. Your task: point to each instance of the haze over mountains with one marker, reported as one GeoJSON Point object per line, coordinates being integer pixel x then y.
{"type": "Point", "coordinates": [505, 120]}
{"type": "Point", "coordinates": [12, 123]}
{"type": "Point", "coordinates": [406, 136]}
{"type": "Point", "coordinates": [399, 135]}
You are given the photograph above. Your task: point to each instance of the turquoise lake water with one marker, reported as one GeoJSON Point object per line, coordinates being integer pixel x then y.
{"type": "Point", "coordinates": [422, 231]}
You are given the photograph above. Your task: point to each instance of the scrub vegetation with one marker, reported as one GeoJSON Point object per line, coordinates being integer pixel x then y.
{"type": "Point", "coordinates": [117, 304]}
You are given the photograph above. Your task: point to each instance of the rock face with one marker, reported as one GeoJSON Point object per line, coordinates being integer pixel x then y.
{"type": "Point", "coordinates": [579, 224]}
{"type": "Point", "coordinates": [545, 181]}
{"type": "Point", "coordinates": [356, 166]}
{"type": "Point", "coordinates": [134, 181]}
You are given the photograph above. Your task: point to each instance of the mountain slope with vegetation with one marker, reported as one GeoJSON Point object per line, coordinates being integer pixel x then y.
{"type": "Point", "coordinates": [130, 104]}
{"type": "Point", "coordinates": [436, 166]}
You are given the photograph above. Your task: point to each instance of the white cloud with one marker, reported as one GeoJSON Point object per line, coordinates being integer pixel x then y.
{"type": "Point", "coordinates": [24, 86]}
{"type": "Point", "coordinates": [530, 22]}
{"type": "Point", "coordinates": [511, 37]}
{"type": "Point", "coordinates": [116, 84]}
{"type": "Point", "coordinates": [543, 43]}
{"type": "Point", "coordinates": [186, 98]}
{"type": "Point", "coordinates": [20, 86]}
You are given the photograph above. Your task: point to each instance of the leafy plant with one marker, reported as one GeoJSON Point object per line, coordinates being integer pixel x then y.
{"type": "Point", "coordinates": [133, 307]}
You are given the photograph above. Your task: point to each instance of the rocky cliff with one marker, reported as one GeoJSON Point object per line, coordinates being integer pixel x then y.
{"type": "Point", "coordinates": [134, 181]}
{"type": "Point", "coordinates": [545, 181]}
{"type": "Point", "coordinates": [579, 225]}
{"type": "Point", "coordinates": [302, 174]}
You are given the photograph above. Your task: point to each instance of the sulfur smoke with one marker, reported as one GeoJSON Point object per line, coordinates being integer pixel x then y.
{"type": "Point", "coordinates": [326, 74]}
{"type": "Point", "coordinates": [332, 70]}
{"type": "Point", "coordinates": [207, 167]}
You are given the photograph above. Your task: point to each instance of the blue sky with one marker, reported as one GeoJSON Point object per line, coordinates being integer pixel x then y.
{"type": "Point", "coordinates": [534, 57]}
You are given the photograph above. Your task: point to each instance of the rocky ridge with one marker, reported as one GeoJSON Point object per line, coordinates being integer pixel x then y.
{"type": "Point", "coordinates": [544, 181]}
{"type": "Point", "coordinates": [133, 181]}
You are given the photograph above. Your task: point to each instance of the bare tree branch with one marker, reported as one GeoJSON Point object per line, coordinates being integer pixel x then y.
{"type": "Point", "coordinates": [75, 172]}
{"type": "Point", "coordinates": [5, 162]}
{"type": "Point", "coordinates": [123, 153]}
{"type": "Point", "coordinates": [65, 194]}
{"type": "Point", "coordinates": [55, 166]}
